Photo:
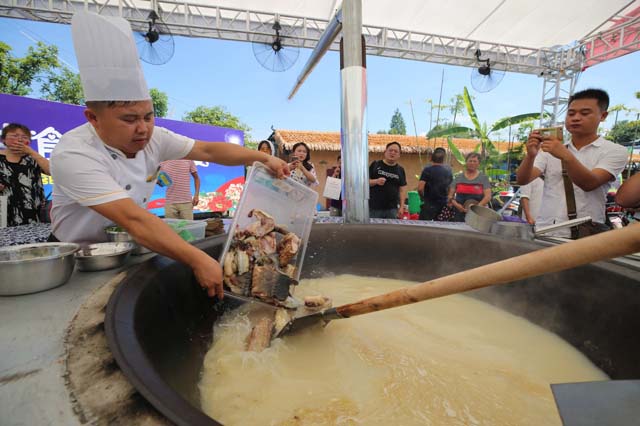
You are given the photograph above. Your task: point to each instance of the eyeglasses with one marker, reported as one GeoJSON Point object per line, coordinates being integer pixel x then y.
{"type": "Point", "coordinates": [17, 137]}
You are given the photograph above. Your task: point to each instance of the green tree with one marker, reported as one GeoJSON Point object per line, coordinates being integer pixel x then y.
{"type": "Point", "coordinates": [63, 85]}
{"type": "Point", "coordinates": [18, 74]}
{"type": "Point", "coordinates": [444, 126]}
{"type": "Point", "coordinates": [397, 126]}
{"type": "Point", "coordinates": [457, 106]}
{"type": "Point", "coordinates": [617, 109]}
{"type": "Point", "coordinates": [251, 144]}
{"type": "Point", "coordinates": [491, 158]}
{"type": "Point", "coordinates": [624, 131]}
{"type": "Point", "coordinates": [438, 108]}
{"type": "Point", "coordinates": [522, 134]}
{"type": "Point", "coordinates": [160, 102]}
{"type": "Point", "coordinates": [217, 116]}
{"type": "Point", "coordinates": [382, 132]}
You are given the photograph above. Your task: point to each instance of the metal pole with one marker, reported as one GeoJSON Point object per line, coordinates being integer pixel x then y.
{"type": "Point", "coordinates": [328, 36]}
{"type": "Point", "coordinates": [353, 103]}
{"type": "Point", "coordinates": [440, 99]}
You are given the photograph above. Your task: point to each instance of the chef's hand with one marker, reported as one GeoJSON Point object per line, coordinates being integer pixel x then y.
{"type": "Point", "coordinates": [208, 272]}
{"type": "Point", "coordinates": [279, 167]}
{"type": "Point", "coordinates": [381, 181]}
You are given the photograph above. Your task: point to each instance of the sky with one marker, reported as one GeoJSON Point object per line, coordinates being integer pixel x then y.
{"type": "Point", "coordinates": [215, 72]}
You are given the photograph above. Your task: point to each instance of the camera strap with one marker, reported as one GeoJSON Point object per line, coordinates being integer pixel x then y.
{"type": "Point", "coordinates": [570, 196]}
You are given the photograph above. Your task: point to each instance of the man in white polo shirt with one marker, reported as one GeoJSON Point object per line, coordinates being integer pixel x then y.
{"type": "Point", "coordinates": [105, 170]}
{"type": "Point", "coordinates": [591, 162]}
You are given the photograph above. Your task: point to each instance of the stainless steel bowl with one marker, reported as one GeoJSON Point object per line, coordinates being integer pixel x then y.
{"type": "Point", "coordinates": [118, 236]}
{"type": "Point", "coordinates": [101, 256]}
{"type": "Point", "coordinates": [123, 236]}
{"type": "Point", "coordinates": [481, 218]}
{"type": "Point", "coordinates": [517, 230]}
{"type": "Point", "coordinates": [31, 268]}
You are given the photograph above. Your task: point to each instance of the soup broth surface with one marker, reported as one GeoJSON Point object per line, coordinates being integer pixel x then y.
{"type": "Point", "coordinates": [448, 361]}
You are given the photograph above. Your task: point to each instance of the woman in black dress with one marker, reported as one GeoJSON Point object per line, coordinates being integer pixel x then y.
{"type": "Point", "coordinates": [20, 176]}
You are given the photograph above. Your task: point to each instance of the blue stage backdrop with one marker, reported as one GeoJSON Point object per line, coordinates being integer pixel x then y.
{"type": "Point", "coordinates": [220, 186]}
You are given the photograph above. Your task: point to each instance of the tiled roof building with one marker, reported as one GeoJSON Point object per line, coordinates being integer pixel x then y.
{"type": "Point", "coordinates": [330, 141]}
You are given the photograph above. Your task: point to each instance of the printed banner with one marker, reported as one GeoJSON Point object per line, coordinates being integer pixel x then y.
{"type": "Point", "coordinates": [220, 186]}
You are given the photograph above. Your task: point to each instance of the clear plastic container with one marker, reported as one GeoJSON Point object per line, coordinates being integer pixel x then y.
{"type": "Point", "coordinates": [290, 203]}
{"type": "Point", "coordinates": [189, 230]}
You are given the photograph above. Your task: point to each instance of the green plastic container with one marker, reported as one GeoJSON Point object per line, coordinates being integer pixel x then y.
{"type": "Point", "coordinates": [414, 202]}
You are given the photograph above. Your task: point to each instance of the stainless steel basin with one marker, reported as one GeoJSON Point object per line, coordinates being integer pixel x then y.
{"type": "Point", "coordinates": [31, 268]}
{"type": "Point", "coordinates": [102, 256]}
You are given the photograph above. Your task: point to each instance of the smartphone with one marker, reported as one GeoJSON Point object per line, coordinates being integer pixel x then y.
{"type": "Point", "coordinates": [548, 132]}
{"type": "Point", "coordinates": [293, 158]}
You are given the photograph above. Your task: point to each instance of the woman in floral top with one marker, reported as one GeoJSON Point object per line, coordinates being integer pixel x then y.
{"type": "Point", "coordinates": [302, 169]}
{"type": "Point", "coordinates": [20, 176]}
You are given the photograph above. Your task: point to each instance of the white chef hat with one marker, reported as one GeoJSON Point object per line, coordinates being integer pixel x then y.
{"type": "Point", "coordinates": [108, 59]}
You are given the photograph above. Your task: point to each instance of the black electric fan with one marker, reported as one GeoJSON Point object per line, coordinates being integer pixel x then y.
{"type": "Point", "coordinates": [487, 75]}
{"type": "Point", "coordinates": [277, 52]}
{"type": "Point", "coordinates": [156, 45]}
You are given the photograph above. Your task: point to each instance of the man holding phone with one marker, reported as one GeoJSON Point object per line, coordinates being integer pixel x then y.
{"type": "Point", "coordinates": [591, 161]}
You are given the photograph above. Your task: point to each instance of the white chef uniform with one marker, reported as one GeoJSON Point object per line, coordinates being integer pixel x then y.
{"type": "Point", "coordinates": [86, 171]}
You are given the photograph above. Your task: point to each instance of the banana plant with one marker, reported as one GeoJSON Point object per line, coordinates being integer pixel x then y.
{"type": "Point", "coordinates": [486, 148]}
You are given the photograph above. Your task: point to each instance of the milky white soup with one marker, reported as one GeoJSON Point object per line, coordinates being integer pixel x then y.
{"type": "Point", "coordinates": [449, 361]}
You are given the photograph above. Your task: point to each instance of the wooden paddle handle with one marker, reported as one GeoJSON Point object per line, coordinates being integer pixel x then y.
{"type": "Point", "coordinates": [603, 246]}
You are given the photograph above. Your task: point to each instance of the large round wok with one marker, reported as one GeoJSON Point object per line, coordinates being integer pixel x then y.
{"type": "Point", "coordinates": [159, 322]}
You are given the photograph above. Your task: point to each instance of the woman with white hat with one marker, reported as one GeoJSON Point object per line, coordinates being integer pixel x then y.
{"type": "Point", "coordinates": [105, 170]}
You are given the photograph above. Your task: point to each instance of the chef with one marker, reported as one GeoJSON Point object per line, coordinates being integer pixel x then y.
{"type": "Point", "coordinates": [105, 170]}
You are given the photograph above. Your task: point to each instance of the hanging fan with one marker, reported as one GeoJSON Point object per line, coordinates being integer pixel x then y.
{"type": "Point", "coordinates": [156, 45]}
{"type": "Point", "coordinates": [277, 52]}
{"type": "Point", "coordinates": [487, 76]}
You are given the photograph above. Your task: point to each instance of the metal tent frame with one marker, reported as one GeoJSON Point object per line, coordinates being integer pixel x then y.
{"type": "Point", "coordinates": [559, 67]}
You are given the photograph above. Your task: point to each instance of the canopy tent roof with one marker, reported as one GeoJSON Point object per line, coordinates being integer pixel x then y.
{"type": "Point", "coordinates": [525, 23]}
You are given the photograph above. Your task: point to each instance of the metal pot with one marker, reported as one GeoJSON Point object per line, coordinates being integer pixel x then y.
{"type": "Point", "coordinates": [513, 230]}
{"type": "Point", "coordinates": [159, 321]}
{"type": "Point", "coordinates": [31, 268]}
{"type": "Point", "coordinates": [481, 218]}
{"type": "Point", "coordinates": [525, 231]}
{"type": "Point", "coordinates": [123, 236]}
{"type": "Point", "coordinates": [102, 256]}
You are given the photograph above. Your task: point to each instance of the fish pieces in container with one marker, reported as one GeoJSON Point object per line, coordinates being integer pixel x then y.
{"type": "Point", "coordinates": [265, 249]}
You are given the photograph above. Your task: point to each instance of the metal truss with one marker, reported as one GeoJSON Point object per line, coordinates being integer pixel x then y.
{"type": "Point", "coordinates": [617, 41]}
{"type": "Point", "coordinates": [558, 67]}
{"type": "Point", "coordinates": [557, 87]}
{"type": "Point", "coordinates": [192, 19]}
{"type": "Point", "coordinates": [559, 83]}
